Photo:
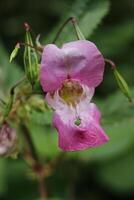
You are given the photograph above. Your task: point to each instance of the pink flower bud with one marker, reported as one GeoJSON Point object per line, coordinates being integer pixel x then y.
{"type": "Point", "coordinates": [8, 140]}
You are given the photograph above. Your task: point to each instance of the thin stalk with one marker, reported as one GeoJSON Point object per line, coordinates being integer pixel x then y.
{"type": "Point", "coordinates": [79, 34]}
{"type": "Point", "coordinates": [53, 163]}
{"type": "Point", "coordinates": [42, 189]}
{"type": "Point", "coordinates": [36, 48]}
{"type": "Point", "coordinates": [61, 28]}
{"type": "Point", "coordinates": [12, 90]}
{"type": "Point", "coordinates": [110, 62]}
{"type": "Point", "coordinates": [37, 166]}
{"type": "Point", "coordinates": [29, 141]}
{"type": "Point", "coordinates": [76, 28]}
{"type": "Point", "coordinates": [11, 99]}
{"type": "Point", "coordinates": [122, 84]}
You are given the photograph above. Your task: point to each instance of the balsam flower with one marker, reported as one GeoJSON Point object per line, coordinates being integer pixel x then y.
{"type": "Point", "coordinates": [69, 75]}
{"type": "Point", "coordinates": [8, 140]}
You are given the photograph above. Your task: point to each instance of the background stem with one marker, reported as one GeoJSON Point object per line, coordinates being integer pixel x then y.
{"type": "Point", "coordinates": [42, 189]}
{"type": "Point", "coordinates": [36, 165]}
{"type": "Point", "coordinates": [70, 19]}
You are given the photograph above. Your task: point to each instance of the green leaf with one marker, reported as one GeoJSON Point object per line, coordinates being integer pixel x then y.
{"type": "Point", "coordinates": [94, 14]}
{"type": "Point", "coordinates": [89, 14]}
{"type": "Point", "coordinates": [118, 174]}
{"type": "Point", "coordinates": [45, 139]}
{"type": "Point", "coordinates": [113, 40]}
{"type": "Point", "coordinates": [20, 177]}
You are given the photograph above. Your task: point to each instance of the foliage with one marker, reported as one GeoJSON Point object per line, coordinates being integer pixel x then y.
{"type": "Point", "coordinates": [6, 79]}
{"type": "Point", "coordinates": [88, 13]}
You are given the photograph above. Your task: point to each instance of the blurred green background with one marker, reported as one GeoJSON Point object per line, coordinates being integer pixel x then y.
{"type": "Point", "coordinates": [104, 173]}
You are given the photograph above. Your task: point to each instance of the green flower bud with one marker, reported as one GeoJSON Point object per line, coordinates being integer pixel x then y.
{"type": "Point", "coordinates": [122, 84]}
{"type": "Point", "coordinates": [14, 52]}
{"type": "Point", "coordinates": [30, 59]}
{"type": "Point", "coordinates": [8, 140]}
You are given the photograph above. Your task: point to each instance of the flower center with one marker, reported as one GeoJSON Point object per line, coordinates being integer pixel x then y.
{"type": "Point", "coordinates": [71, 92]}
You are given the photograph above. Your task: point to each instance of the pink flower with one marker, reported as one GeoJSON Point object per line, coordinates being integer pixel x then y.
{"type": "Point", "coordinates": [69, 76]}
{"type": "Point", "coordinates": [8, 140]}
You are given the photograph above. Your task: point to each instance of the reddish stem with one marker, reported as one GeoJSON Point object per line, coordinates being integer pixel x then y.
{"type": "Point", "coordinates": [110, 62]}
{"type": "Point", "coordinates": [42, 189]}
{"type": "Point", "coordinates": [70, 19]}
{"type": "Point", "coordinates": [26, 26]}
{"type": "Point", "coordinates": [37, 166]}
{"type": "Point", "coordinates": [25, 44]}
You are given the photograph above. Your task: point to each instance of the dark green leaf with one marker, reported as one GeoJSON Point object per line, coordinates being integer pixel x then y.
{"type": "Point", "coordinates": [89, 14]}
{"type": "Point", "coordinates": [118, 174]}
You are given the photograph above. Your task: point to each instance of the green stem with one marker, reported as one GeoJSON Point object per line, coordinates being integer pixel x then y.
{"type": "Point", "coordinates": [29, 141]}
{"type": "Point", "coordinates": [53, 163]}
{"type": "Point", "coordinates": [37, 166]}
{"type": "Point", "coordinates": [42, 189]}
{"type": "Point", "coordinates": [79, 34]}
{"type": "Point", "coordinates": [110, 62]}
{"type": "Point", "coordinates": [75, 25]}
{"type": "Point", "coordinates": [11, 98]}
{"type": "Point", "coordinates": [39, 50]}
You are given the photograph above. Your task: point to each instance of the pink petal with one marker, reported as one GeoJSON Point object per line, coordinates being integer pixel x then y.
{"type": "Point", "coordinates": [90, 70]}
{"type": "Point", "coordinates": [87, 135]}
{"type": "Point", "coordinates": [53, 71]}
{"type": "Point", "coordinates": [79, 60]}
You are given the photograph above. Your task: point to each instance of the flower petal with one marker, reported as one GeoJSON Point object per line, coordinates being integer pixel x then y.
{"type": "Point", "coordinates": [72, 137]}
{"type": "Point", "coordinates": [53, 71]}
{"type": "Point", "coordinates": [78, 60]}
{"type": "Point", "coordinates": [91, 68]}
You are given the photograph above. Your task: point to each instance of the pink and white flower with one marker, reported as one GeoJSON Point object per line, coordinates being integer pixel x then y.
{"type": "Point", "coordinates": [69, 75]}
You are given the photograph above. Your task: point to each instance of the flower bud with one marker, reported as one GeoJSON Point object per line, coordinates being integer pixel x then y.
{"type": "Point", "coordinates": [122, 85]}
{"type": "Point", "coordinates": [8, 140]}
{"type": "Point", "coordinates": [14, 52]}
{"type": "Point", "coordinates": [30, 59]}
